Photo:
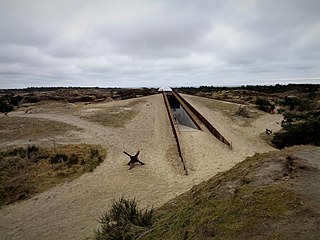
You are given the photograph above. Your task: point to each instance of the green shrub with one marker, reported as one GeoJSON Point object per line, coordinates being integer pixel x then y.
{"type": "Point", "coordinates": [5, 106]}
{"type": "Point", "coordinates": [298, 129]}
{"type": "Point", "coordinates": [124, 221]}
{"type": "Point", "coordinates": [305, 105]}
{"type": "Point", "coordinates": [31, 99]}
{"type": "Point", "coordinates": [263, 104]}
{"type": "Point", "coordinates": [93, 160]}
{"type": "Point", "coordinates": [15, 100]}
{"type": "Point", "coordinates": [292, 102]}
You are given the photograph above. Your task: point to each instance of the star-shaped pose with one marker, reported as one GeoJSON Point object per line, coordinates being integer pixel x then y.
{"type": "Point", "coordinates": [133, 159]}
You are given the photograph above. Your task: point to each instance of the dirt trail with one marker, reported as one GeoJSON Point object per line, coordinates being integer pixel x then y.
{"type": "Point", "coordinates": [71, 210]}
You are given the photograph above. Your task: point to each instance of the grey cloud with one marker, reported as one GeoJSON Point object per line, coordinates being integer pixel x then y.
{"type": "Point", "coordinates": [161, 35]}
{"type": "Point", "coordinates": [147, 43]}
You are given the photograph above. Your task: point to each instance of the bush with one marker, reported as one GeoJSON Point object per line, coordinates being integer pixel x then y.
{"type": "Point", "coordinates": [15, 100]}
{"type": "Point", "coordinates": [93, 160]}
{"type": "Point", "coordinates": [58, 158]}
{"type": "Point", "coordinates": [5, 106]}
{"type": "Point", "coordinates": [31, 99]}
{"type": "Point", "coordinates": [303, 131]}
{"type": "Point", "coordinates": [94, 153]}
{"type": "Point", "coordinates": [124, 221]}
{"type": "Point", "coordinates": [305, 105]}
{"type": "Point", "coordinates": [33, 153]}
{"type": "Point", "coordinates": [263, 104]}
{"type": "Point", "coordinates": [20, 152]}
{"type": "Point", "coordinates": [82, 99]}
{"type": "Point", "coordinates": [292, 102]}
{"type": "Point", "coordinates": [73, 160]}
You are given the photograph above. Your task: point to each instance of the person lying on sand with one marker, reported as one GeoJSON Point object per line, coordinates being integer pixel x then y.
{"type": "Point", "coordinates": [133, 159]}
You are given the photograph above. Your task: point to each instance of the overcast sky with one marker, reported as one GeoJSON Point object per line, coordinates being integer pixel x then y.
{"type": "Point", "coordinates": [158, 42]}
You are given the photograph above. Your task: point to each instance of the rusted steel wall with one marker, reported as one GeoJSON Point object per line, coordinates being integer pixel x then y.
{"type": "Point", "coordinates": [186, 108]}
{"type": "Point", "coordinates": [211, 128]}
{"type": "Point", "coordinates": [173, 127]}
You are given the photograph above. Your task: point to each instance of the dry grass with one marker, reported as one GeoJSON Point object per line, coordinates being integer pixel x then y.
{"type": "Point", "coordinates": [256, 199]}
{"type": "Point", "coordinates": [124, 221]}
{"type": "Point", "coordinates": [116, 116]}
{"type": "Point", "coordinates": [25, 172]}
{"type": "Point", "coordinates": [213, 104]}
{"type": "Point", "coordinates": [267, 138]}
{"type": "Point", "coordinates": [229, 109]}
{"type": "Point", "coordinates": [19, 128]}
{"type": "Point", "coordinates": [50, 107]}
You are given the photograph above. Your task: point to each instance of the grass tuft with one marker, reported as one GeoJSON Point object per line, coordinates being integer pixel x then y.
{"type": "Point", "coordinates": [124, 221]}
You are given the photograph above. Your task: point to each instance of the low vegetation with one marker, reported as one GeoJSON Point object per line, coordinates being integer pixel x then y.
{"type": "Point", "coordinates": [298, 128]}
{"type": "Point", "coordinates": [250, 94]}
{"type": "Point", "coordinates": [23, 128]}
{"type": "Point", "coordinates": [232, 110]}
{"type": "Point", "coordinates": [299, 104]}
{"type": "Point", "coordinates": [124, 221]}
{"type": "Point", "coordinates": [218, 105]}
{"type": "Point", "coordinates": [13, 98]}
{"type": "Point", "coordinates": [263, 104]}
{"type": "Point", "coordinates": [27, 171]}
{"type": "Point", "coordinates": [270, 89]}
{"type": "Point", "coordinates": [268, 196]}
{"type": "Point", "coordinates": [260, 198]}
{"type": "Point", "coordinates": [116, 116]}
{"type": "Point", "coordinates": [301, 124]}
{"type": "Point", "coordinates": [8, 102]}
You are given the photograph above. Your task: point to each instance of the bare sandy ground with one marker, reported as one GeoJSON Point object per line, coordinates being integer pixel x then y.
{"type": "Point", "coordinates": [71, 210]}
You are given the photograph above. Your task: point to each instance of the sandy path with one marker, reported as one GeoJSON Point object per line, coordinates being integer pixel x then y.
{"type": "Point", "coordinates": [70, 211]}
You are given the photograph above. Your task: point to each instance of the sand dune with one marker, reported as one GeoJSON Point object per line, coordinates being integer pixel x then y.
{"type": "Point", "coordinates": [71, 210]}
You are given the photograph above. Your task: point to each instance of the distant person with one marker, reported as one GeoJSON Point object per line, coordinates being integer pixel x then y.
{"type": "Point", "coordinates": [272, 108]}
{"type": "Point", "coordinates": [133, 159]}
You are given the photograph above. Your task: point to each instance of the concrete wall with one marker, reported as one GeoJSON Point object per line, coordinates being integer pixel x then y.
{"type": "Point", "coordinates": [183, 118]}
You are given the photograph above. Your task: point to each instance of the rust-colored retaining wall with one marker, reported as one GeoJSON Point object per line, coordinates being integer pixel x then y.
{"type": "Point", "coordinates": [185, 107]}
{"type": "Point", "coordinates": [211, 128]}
{"type": "Point", "coordinates": [174, 130]}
